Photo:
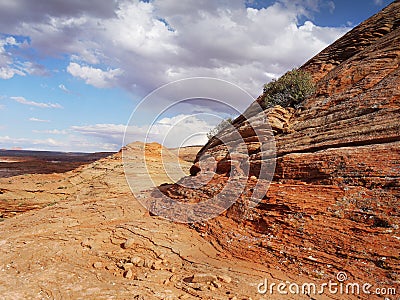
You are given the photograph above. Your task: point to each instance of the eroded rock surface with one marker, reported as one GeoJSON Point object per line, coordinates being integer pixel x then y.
{"type": "Point", "coordinates": [333, 204]}
{"type": "Point", "coordinates": [89, 238]}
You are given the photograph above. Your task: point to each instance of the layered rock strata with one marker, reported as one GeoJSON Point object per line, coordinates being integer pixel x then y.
{"type": "Point", "coordinates": [333, 204]}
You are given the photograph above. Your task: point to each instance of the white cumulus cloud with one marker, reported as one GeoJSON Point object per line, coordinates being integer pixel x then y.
{"type": "Point", "coordinates": [139, 46]}
{"type": "Point", "coordinates": [64, 88]}
{"type": "Point", "coordinates": [24, 101]}
{"type": "Point", "coordinates": [38, 120]}
{"type": "Point", "coordinates": [71, 144]}
{"type": "Point", "coordinates": [94, 76]}
{"type": "Point", "coordinates": [11, 66]}
{"type": "Point", "coordinates": [180, 130]}
{"type": "Point", "coordinates": [51, 131]}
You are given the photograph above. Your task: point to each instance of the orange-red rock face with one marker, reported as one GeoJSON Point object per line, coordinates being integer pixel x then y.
{"type": "Point", "coordinates": [334, 202]}
{"type": "Point", "coordinates": [366, 34]}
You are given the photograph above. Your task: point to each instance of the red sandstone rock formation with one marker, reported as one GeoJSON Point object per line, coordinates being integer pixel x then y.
{"type": "Point", "coordinates": [333, 204]}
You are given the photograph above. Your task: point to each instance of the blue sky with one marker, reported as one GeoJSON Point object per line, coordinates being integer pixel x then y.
{"type": "Point", "coordinates": [72, 72]}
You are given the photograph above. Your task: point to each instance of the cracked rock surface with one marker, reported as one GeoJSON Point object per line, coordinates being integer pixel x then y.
{"type": "Point", "coordinates": [90, 238]}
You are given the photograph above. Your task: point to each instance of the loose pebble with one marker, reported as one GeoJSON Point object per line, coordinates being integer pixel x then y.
{"type": "Point", "coordinates": [136, 261]}
{"type": "Point", "coordinates": [216, 284]}
{"type": "Point", "coordinates": [204, 278]}
{"type": "Point", "coordinates": [88, 243]}
{"type": "Point", "coordinates": [128, 243]}
{"type": "Point", "coordinates": [111, 268]}
{"type": "Point", "coordinates": [127, 266]}
{"type": "Point", "coordinates": [225, 278]}
{"type": "Point", "coordinates": [157, 265]}
{"type": "Point", "coordinates": [128, 274]}
{"type": "Point", "coordinates": [148, 263]}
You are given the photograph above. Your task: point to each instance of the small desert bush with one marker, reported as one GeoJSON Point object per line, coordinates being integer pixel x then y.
{"type": "Point", "coordinates": [289, 90]}
{"type": "Point", "coordinates": [217, 129]}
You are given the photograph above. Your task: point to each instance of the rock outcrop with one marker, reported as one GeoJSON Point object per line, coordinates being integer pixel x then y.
{"type": "Point", "coordinates": [366, 34]}
{"type": "Point", "coordinates": [333, 204]}
{"type": "Point", "coordinates": [88, 238]}
{"type": "Point", "coordinates": [316, 191]}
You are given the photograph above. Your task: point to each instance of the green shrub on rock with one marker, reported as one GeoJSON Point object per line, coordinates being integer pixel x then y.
{"type": "Point", "coordinates": [221, 126]}
{"type": "Point", "coordinates": [289, 90]}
